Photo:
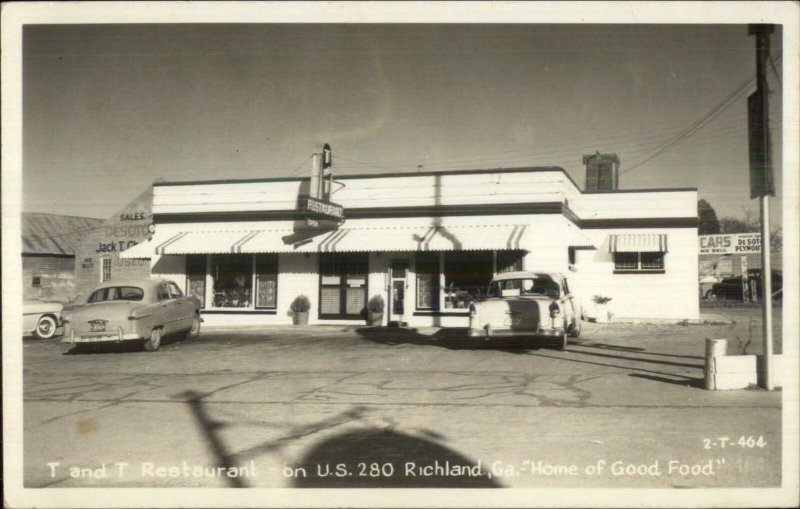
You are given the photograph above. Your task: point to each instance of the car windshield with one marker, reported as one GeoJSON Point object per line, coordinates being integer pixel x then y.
{"type": "Point", "coordinates": [539, 285]}
{"type": "Point", "coordinates": [130, 293]}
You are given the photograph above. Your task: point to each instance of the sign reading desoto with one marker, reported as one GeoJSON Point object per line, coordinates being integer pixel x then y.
{"type": "Point", "coordinates": [730, 243]}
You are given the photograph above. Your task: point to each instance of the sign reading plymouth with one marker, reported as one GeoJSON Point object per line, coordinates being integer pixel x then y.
{"type": "Point", "coordinates": [730, 243]}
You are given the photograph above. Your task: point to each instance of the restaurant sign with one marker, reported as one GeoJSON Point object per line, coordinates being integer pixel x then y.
{"type": "Point", "coordinates": [319, 209]}
{"type": "Point", "coordinates": [730, 243]}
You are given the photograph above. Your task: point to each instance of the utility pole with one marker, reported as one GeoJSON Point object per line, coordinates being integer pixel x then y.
{"type": "Point", "coordinates": [761, 181]}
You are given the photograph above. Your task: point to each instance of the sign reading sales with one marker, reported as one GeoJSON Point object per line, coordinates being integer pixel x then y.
{"type": "Point", "coordinates": [730, 243]}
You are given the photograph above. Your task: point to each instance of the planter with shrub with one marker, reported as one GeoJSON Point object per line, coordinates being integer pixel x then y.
{"type": "Point", "coordinates": [601, 313]}
{"type": "Point", "coordinates": [375, 310]}
{"type": "Point", "coordinates": [300, 306]}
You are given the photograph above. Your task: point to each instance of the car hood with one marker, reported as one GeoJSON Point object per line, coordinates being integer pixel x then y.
{"type": "Point", "coordinates": [38, 306]}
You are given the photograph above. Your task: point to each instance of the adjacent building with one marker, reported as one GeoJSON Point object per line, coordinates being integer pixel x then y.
{"type": "Point", "coordinates": [425, 243]}
{"type": "Point", "coordinates": [97, 252]}
{"type": "Point", "coordinates": [48, 254]}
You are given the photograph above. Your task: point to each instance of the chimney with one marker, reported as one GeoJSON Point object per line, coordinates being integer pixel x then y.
{"type": "Point", "coordinates": [602, 172]}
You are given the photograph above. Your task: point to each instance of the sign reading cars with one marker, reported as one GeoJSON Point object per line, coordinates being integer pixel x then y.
{"type": "Point", "coordinates": [730, 243]}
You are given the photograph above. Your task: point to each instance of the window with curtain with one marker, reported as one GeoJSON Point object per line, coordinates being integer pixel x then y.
{"type": "Point", "coordinates": [427, 280]}
{"type": "Point", "coordinates": [266, 281]}
{"type": "Point", "coordinates": [196, 278]}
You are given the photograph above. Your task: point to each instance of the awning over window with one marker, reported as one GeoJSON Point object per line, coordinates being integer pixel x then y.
{"type": "Point", "coordinates": [638, 243]}
{"type": "Point", "coordinates": [342, 240]}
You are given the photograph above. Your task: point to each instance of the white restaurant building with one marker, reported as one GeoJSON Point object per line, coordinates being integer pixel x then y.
{"type": "Point", "coordinates": [426, 243]}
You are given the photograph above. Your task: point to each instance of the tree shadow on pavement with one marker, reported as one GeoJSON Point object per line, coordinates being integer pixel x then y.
{"type": "Point", "coordinates": [383, 458]}
{"type": "Point", "coordinates": [358, 458]}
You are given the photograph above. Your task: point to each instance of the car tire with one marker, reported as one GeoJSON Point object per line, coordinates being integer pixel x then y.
{"type": "Point", "coordinates": [45, 327]}
{"type": "Point", "coordinates": [576, 329]}
{"type": "Point", "coordinates": [152, 344]}
{"type": "Point", "coordinates": [195, 330]}
{"type": "Point", "coordinates": [711, 295]}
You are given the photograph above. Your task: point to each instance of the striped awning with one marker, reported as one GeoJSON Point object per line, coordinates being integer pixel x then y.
{"type": "Point", "coordinates": [432, 238]}
{"type": "Point", "coordinates": [638, 243]}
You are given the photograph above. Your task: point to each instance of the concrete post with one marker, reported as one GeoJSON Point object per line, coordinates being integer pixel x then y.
{"type": "Point", "coordinates": [714, 348]}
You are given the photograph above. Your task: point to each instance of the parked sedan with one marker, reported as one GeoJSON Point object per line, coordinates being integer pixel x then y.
{"type": "Point", "coordinates": [137, 310]}
{"type": "Point", "coordinates": [41, 318]}
{"type": "Point", "coordinates": [529, 305]}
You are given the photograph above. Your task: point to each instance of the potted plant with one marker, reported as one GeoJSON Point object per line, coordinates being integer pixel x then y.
{"type": "Point", "coordinates": [601, 314]}
{"type": "Point", "coordinates": [300, 306]}
{"type": "Point", "coordinates": [375, 310]}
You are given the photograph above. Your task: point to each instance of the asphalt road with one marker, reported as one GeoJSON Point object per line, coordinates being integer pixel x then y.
{"type": "Point", "coordinates": [623, 406]}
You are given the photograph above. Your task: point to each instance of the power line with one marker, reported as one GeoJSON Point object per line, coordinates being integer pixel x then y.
{"type": "Point", "coordinates": [723, 105]}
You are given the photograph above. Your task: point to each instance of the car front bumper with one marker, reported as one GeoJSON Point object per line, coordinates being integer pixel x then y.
{"type": "Point", "coordinates": [106, 337]}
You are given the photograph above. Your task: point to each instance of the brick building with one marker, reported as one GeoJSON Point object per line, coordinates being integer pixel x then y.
{"type": "Point", "coordinates": [48, 254]}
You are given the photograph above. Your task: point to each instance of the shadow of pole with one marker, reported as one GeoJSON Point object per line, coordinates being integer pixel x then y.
{"type": "Point", "coordinates": [208, 428]}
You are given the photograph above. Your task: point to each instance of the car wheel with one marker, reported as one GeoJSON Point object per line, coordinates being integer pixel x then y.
{"type": "Point", "coordinates": [195, 330]}
{"type": "Point", "coordinates": [152, 344]}
{"type": "Point", "coordinates": [45, 327]}
{"type": "Point", "coordinates": [576, 329]}
{"type": "Point", "coordinates": [710, 295]}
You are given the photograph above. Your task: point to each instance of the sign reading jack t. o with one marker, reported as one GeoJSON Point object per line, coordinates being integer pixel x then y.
{"type": "Point", "coordinates": [730, 243]}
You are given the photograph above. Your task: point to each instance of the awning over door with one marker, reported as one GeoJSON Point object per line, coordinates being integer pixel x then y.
{"type": "Point", "coordinates": [431, 238]}
{"type": "Point", "coordinates": [638, 243]}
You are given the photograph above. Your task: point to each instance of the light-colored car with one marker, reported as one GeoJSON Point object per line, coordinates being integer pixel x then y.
{"type": "Point", "coordinates": [41, 318]}
{"type": "Point", "coordinates": [133, 310]}
{"type": "Point", "coordinates": [527, 305]}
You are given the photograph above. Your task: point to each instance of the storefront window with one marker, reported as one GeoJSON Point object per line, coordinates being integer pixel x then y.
{"type": "Point", "coordinates": [466, 276]}
{"type": "Point", "coordinates": [343, 285]}
{"type": "Point", "coordinates": [266, 281]}
{"type": "Point", "coordinates": [509, 260]}
{"type": "Point", "coordinates": [233, 281]}
{"type": "Point", "coordinates": [427, 280]}
{"type": "Point", "coordinates": [196, 278]}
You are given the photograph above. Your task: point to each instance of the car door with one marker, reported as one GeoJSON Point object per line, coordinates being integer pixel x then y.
{"type": "Point", "coordinates": [183, 308]}
{"type": "Point", "coordinates": [165, 314]}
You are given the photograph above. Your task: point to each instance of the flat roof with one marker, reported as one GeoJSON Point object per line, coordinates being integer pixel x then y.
{"type": "Point", "coordinates": [525, 169]}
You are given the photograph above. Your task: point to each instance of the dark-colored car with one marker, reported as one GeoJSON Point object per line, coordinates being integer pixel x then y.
{"type": "Point", "coordinates": [731, 288]}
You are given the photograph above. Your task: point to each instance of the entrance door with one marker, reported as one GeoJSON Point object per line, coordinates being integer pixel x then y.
{"type": "Point", "coordinates": [397, 291]}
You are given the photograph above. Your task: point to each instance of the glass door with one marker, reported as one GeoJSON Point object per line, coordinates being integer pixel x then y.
{"type": "Point", "coordinates": [397, 290]}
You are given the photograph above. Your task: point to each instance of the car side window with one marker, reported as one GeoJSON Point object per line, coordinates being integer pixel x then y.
{"type": "Point", "coordinates": [163, 293]}
{"type": "Point", "coordinates": [175, 291]}
{"type": "Point", "coordinates": [99, 295]}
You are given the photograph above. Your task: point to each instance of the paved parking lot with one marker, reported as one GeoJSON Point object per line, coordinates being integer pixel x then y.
{"type": "Point", "coordinates": [330, 406]}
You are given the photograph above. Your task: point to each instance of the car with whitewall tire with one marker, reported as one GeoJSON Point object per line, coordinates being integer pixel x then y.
{"type": "Point", "coordinates": [41, 319]}
{"type": "Point", "coordinates": [143, 310]}
{"type": "Point", "coordinates": [528, 305]}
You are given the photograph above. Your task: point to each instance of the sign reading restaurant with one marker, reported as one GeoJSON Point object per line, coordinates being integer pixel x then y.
{"type": "Point", "coordinates": [317, 207]}
{"type": "Point", "coordinates": [730, 243]}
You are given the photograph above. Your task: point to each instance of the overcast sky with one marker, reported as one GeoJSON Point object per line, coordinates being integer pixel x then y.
{"type": "Point", "coordinates": [108, 109]}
